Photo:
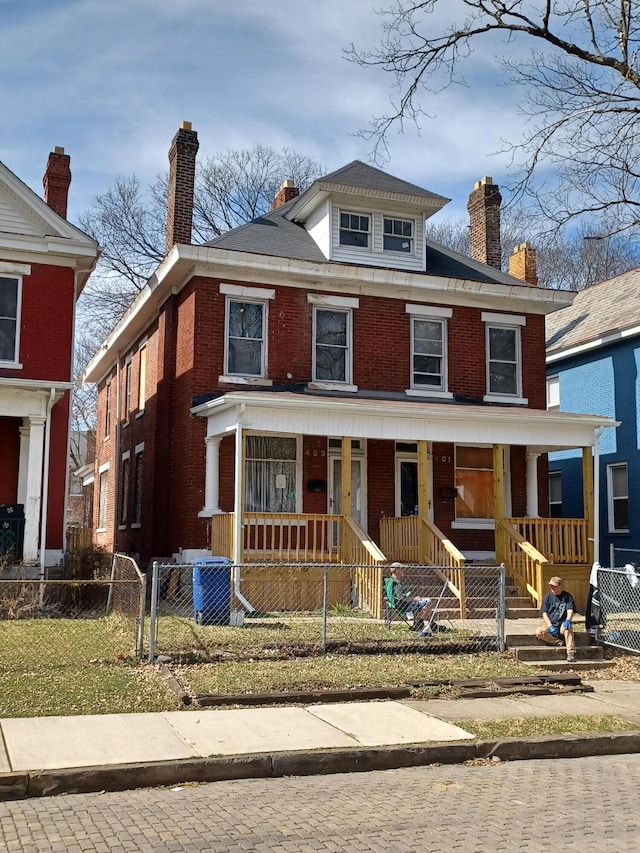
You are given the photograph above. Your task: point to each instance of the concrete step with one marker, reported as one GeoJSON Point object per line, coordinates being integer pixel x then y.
{"type": "Point", "coordinates": [564, 665]}
{"type": "Point", "coordinates": [521, 612]}
{"type": "Point", "coordinates": [516, 640]}
{"type": "Point", "coordinates": [527, 654]}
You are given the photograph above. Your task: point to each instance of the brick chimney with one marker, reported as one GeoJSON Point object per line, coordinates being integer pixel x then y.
{"type": "Point", "coordinates": [522, 263]}
{"type": "Point", "coordinates": [56, 181]}
{"type": "Point", "coordinates": [286, 192]}
{"type": "Point", "coordinates": [182, 174]}
{"type": "Point", "coordinates": [484, 215]}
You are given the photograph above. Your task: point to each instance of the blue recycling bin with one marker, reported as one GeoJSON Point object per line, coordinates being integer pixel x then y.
{"type": "Point", "coordinates": [211, 590]}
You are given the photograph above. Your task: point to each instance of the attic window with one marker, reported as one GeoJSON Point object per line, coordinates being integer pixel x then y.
{"type": "Point", "coordinates": [354, 230]}
{"type": "Point", "coordinates": [398, 235]}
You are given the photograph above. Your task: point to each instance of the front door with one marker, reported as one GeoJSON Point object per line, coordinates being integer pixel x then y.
{"type": "Point", "coordinates": [358, 509]}
{"type": "Point", "coordinates": [407, 480]}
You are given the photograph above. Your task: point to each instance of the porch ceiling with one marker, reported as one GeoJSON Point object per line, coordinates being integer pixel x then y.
{"type": "Point", "coordinates": [399, 420]}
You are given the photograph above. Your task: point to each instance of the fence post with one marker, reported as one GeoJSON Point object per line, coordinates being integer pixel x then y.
{"type": "Point", "coordinates": [502, 591]}
{"type": "Point", "coordinates": [141, 610]}
{"type": "Point", "coordinates": [325, 597]}
{"type": "Point", "coordinates": [154, 612]}
{"type": "Point", "coordinates": [612, 556]}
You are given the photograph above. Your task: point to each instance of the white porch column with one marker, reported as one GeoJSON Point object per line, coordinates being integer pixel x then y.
{"type": "Point", "coordinates": [211, 477]}
{"type": "Point", "coordinates": [34, 488]}
{"type": "Point", "coordinates": [23, 461]}
{"type": "Point", "coordinates": [532, 484]}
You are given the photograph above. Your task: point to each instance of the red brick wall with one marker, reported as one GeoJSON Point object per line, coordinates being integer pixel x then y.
{"type": "Point", "coordinates": [46, 324]}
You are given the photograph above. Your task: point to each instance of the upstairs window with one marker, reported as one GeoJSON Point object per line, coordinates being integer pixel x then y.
{"type": "Point", "coordinates": [553, 393]}
{"type": "Point", "coordinates": [9, 314]}
{"type": "Point", "coordinates": [142, 379]}
{"type": "Point", "coordinates": [618, 489]}
{"type": "Point", "coordinates": [504, 356]}
{"type": "Point", "coordinates": [107, 409]}
{"type": "Point", "coordinates": [126, 397]}
{"type": "Point", "coordinates": [398, 235]}
{"type": "Point", "coordinates": [137, 495]}
{"type": "Point", "coordinates": [246, 322]}
{"type": "Point", "coordinates": [355, 230]}
{"type": "Point", "coordinates": [332, 346]}
{"type": "Point", "coordinates": [428, 353]}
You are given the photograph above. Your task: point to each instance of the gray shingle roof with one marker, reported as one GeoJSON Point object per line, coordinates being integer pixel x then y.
{"type": "Point", "coordinates": [273, 234]}
{"type": "Point", "coordinates": [359, 174]}
{"type": "Point", "coordinates": [599, 310]}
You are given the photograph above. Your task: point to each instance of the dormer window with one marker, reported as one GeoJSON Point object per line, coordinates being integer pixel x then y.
{"type": "Point", "coordinates": [398, 235]}
{"type": "Point", "coordinates": [355, 230]}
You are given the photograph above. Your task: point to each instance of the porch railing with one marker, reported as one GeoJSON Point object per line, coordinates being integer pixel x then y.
{"type": "Point", "coordinates": [362, 552]}
{"type": "Point", "coordinates": [527, 565]}
{"type": "Point", "coordinates": [561, 540]}
{"type": "Point", "coordinates": [222, 535]}
{"type": "Point", "coordinates": [411, 539]}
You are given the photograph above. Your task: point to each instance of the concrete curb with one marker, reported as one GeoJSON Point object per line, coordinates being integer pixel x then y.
{"type": "Point", "coordinates": [120, 777]}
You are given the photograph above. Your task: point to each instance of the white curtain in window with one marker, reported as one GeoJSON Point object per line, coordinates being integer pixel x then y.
{"type": "Point", "coordinates": [271, 474]}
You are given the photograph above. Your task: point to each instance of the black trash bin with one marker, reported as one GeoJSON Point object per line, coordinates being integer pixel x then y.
{"type": "Point", "coordinates": [212, 590]}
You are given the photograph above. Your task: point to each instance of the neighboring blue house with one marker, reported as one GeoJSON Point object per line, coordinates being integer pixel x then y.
{"type": "Point", "coordinates": [593, 359]}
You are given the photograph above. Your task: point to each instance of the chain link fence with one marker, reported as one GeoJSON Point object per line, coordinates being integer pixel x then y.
{"type": "Point", "coordinates": [220, 611]}
{"type": "Point", "coordinates": [620, 557]}
{"type": "Point", "coordinates": [618, 596]}
{"type": "Point", "coordinates": [97, 615]}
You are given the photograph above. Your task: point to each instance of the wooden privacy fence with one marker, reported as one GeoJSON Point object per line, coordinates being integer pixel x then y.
{"type": "Point", "coordinates": [79, 538]}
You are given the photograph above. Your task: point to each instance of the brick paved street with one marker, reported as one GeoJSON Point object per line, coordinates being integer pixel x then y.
{"type": "Point", "coordinates": [581, 804]}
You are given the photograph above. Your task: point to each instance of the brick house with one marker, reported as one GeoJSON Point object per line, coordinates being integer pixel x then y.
{"type": "Point", "coordinates": [357, 391]}
{"type": "Point", "coordinates": [44, 264]}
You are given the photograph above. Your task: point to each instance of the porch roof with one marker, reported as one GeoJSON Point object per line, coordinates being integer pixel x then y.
{"type": "Point", "coordinates": [399, 420]}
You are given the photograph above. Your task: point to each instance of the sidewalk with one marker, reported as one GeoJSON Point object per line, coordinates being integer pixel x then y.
{"type": "Point", "coordinates": [47, 755]}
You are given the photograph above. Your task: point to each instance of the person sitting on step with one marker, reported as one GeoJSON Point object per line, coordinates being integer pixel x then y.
{"type": "Point", "coordinates": [400, 598]}
{"type": "Point", "coordinates": [557, 611]}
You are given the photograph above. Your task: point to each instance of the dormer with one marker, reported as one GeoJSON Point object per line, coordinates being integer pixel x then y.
{"type": "Point", "coordinates": [361, 215]}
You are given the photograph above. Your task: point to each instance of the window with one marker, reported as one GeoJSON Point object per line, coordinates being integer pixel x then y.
{"type": "Point", "coordinates": [142, 379]}
{"type": "Point", "coordinates": [503, 363]}
{"type": "Point", "coordinates": [332, 350]}
{"type": "Point", "coordinates": [553, 392]}
{"type": "Point", "coordinates": [555, 494]}
{"type": "Point", "coordinates": [427, 353]}
{"type": "Point", "coordinates": [397, 235]}
{"type": "Point", "coordinates": [245, 338]}
{"type": "Point", "coordinates": [618, 490]}
{"type": "Point", "coordinates": [137, 494]}
{"type": "Point", "coordinates": [124, 488]}
{"type": "Point", "coordinates": [271, 473]}
{"type": "Point", "coordinates": [10, 292]}
{"type": "Point", "coordinates": [107, 409]}
{"type": "Point", "coordinates": [355, 230]}
{"type": "Point", "coordinates": [103, 496]}
{"type": "Point", "coordinates": [126, 396]}
{"type": "Point", "coordinates": [474, 482]}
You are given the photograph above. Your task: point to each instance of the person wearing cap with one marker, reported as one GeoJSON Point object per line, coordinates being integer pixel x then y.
{"type": "Point", "coordinates": [557, 610]}
{"type": "Point", "coordinates": [400, 599]}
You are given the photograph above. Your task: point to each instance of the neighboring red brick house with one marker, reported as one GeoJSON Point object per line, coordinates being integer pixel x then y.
{"type": "Point", "coordinates": [327, 336]}
{"type": "Point", "coordinates": [44, 264]}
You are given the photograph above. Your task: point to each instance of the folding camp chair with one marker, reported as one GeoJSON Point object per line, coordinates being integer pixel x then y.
{"type": "Point", "coordinates": [402, 609]}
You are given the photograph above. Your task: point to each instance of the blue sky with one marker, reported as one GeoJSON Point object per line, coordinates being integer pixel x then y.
{"type": "Point", "coordinates": [111, 80]}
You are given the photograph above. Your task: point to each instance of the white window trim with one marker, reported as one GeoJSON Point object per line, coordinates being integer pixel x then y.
{"type": "Point", "coordinates": [257, 294]}
{"type": "Point", "coordinates": [125, 455]}
{"type": "Point", "coordinates": [441, 315]}
{"type": "Point", "coordinates": [142, 346]}
{"type": "Point", "coordinates": [414, 231]}
{"type": "Point", "coordinates": [492, 397]}
{"type": "Point", "coordinates": [331, 301]}
{"type": "Point", "coordinates": [334, 385]}
{"type": "Point", "coordinates": [103, 469]}
{"type": "Point", "coordinates": [299, 465]}
{"type": "Point", "coordinates": [256, 379]}
{"type": "Point", "coordinates": [126, 391]}
{"type": "Point", "coordinates": [495, 319]}
{"type": "Point", "coordinates": [558, 475]}
{"type": "Point", "coordinates": [108, 396]}
{"type": "Point", "coordinates": [14, 363]}
{"type": "Point", "coordinates": [355, 212]}
{"type": "Point", "coordinates": [610, 498]}
{"type": "Point", "coordinates": [553, 382]}
{"type": "Point", "coordinates": [139, 448]}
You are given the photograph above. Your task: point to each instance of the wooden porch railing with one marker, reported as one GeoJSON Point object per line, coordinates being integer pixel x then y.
{"type": "Point", "coordinates": [361, 551]}
{"type": "Point", "coordinates": [411, 539]}
{"type": "Point", "coordinates": [527, 565]}
{"type": "Point", "coordinates": [222, 535]}
{"type": "Point", "coordinates": [561, 540]}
